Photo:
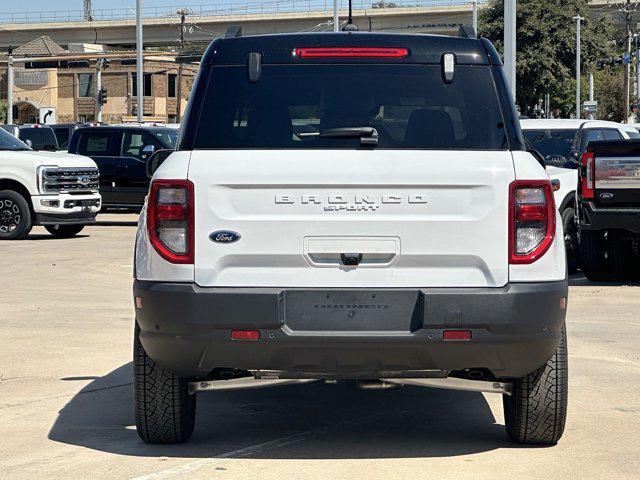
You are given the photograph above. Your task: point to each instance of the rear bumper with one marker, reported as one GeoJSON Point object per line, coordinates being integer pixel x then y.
{"type": "Point", "coordinates": [592, 218]}
{"type": "Point", "coordinates": [186, 329]}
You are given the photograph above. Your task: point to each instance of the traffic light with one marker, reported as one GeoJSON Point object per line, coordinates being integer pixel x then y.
{"type": "Point", "coordinates": [102, 96]}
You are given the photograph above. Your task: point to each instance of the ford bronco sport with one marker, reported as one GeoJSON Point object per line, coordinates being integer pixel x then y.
{"type": "Point", "coordinates": [350, 206]}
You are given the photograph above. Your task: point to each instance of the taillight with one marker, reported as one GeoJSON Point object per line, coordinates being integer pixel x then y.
{"type": "Point", "coordinates": [587, 182]}
{"type": "Point", "coordinates": [532, 220]}
{"type": "Point", "coordinates": [350, 52]}
{"type": "Point", "coordinates": [170, 219]}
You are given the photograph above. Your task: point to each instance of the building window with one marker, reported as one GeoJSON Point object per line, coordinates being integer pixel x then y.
{"type": "Point", "coordinates": [85, 85]}
{"type": "Point", "coordinates": [172, 118]}
{"type": "Point", "coordinates": [172, 90]}
{"type": "Point", "coordinates": [147, 85]}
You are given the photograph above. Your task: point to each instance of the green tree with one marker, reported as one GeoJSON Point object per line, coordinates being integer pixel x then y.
{"type": "Point", "coordinates": [546, 55]}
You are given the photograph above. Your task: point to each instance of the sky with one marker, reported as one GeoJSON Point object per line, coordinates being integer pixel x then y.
{"type": "Point", "coordinates": [48, 5]}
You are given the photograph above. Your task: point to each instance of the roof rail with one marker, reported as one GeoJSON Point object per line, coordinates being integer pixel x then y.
{"type": "Point", "coordinates": [466, 31]}
{"type": "Point", "coordinates": [233, 31]}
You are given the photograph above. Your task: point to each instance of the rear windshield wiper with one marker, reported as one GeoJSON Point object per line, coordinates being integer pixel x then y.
{"type": "Point", "coordinates": [367, 135]}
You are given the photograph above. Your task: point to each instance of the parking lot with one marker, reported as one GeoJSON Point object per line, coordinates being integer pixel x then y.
{"type": "Point", "coordinates": [66, 392]}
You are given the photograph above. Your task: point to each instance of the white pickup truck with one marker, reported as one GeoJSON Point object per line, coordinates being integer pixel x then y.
{"type": "Point", "coordinates": [56, 190]}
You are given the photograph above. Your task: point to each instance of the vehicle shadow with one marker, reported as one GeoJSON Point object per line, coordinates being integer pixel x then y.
{"type": "Point", "coordinates": [115, 223]}
{"type": "Point", "coordinates": [304, 421]}
{"type": "Point", "coordinates": [48, 236]}
{"type": "Point", "coordinates": [579, 280]}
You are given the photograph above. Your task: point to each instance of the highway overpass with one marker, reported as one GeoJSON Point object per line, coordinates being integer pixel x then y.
{"type": "Point", "coordinates": [116, 27]}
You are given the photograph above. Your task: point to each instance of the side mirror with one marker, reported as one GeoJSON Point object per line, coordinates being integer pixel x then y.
{"type": "Point", "coordinates": [147, 151]}
{"type": "Point", "coordinates": [538, 156]}
{"type": "Point", "coordinates": [29, 143]}
{"type": "Point", "coordinates": [156, 159]}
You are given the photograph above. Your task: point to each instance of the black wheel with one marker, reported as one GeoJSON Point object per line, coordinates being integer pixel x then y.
{"type": "Point", "coordinates": [164, 410]}
{"type": "Point", "coordinates": [537, 410]}
{"type": "Point", "coordinates": [64, 231]}
{"type": "Point", "coordinates": [593, 255]}
{"type": "Point", "coordinates": [15, 216]}
{"type": "Point", "coordinates": [571, 239]}
{"type": "Point", "coordinates": [619, 256]}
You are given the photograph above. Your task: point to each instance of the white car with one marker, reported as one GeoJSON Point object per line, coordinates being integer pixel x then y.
{"type": "Point", "coordinates": [347, 206]}
{"type": "Point", "coordinates": [562, 142]}
{"type": "Point", "coordinates": [53, 189]}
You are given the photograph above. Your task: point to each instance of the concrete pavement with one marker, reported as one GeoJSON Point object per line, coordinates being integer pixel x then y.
{"type": "Point", "coordinates": [66, 395]}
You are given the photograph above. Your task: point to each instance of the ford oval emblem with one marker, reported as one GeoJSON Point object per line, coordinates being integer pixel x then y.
{"type": "Point", "coordinates": [224, 236]}
{"type": "Point", "coordinates": [606, 195]}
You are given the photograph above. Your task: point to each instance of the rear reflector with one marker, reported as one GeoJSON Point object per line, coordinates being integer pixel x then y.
{"type": "Point", "coordinates": [245, 334]}
{"type": "Point", "coordinates": [350, 52]}
{"type": "Point", "coordinates": [456, 335]}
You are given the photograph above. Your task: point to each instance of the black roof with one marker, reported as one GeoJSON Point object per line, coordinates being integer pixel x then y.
{"type": "Point", "coordinates": [276, 49]}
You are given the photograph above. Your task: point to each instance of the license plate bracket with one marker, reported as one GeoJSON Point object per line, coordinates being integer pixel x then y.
{"type": "Point", "coordinates": [354, 310]}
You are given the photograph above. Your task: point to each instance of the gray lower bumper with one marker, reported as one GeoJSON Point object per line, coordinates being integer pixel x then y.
{"type": "Point", "coordinates": [187, 328]}
{"type": "Point", "coordinates": [78, 218]}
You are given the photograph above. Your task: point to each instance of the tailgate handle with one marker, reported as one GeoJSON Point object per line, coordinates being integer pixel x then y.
{"type": "Point", "coordinates": [351, 259]}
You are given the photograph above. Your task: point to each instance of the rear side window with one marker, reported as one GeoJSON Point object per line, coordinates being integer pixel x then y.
{"type": "Point", "coordinates": [41, 138]}
{"type": "Point", "coordinates": [62, 135]}
{"type": "Point", "coordinates": [632, 133]}
{"type": "Point", "coordinates": [410, 106]}
{"type": "Point", "coordinates": [554, 145]}
{"type": "Point", "coordinates": [95, 143]}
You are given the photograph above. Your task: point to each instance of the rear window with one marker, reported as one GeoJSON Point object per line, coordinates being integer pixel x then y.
{"type": "Point", "coordinates": [41, 138]}
{"type": "Point", "coordinates": [410, 106]}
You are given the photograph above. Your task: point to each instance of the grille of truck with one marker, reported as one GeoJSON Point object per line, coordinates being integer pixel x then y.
{"type": "Point", "coordinates": [70, 180]}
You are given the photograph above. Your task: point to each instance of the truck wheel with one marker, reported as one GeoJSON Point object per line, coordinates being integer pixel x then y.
{"type": "Point", "coordinates": [64, 231]}
{"type": "Point", "coordinates": [618, 256]}
{"type": "Point", "coordinates": [536, 411]}
{"type": "Point", "coordinates": [571, 239]}
{"type": "Point", "coordinates": [164, 410]}
{"type": "Point", "coordinates": [15, 216]}
{"type": "Point", "coordinates": [592, 254]}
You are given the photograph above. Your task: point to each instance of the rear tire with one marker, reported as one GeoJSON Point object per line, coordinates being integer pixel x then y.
{"type": "Point", "coordinates": [536, 412]}
{"type": "Point", "coordinates": [164, 410]}
{"type": "Point", "coordinates": [592, 253]}
{"type": "Point", "coordinates": [16, 220]}
{"type": "Point", "coordinates": [571, 243]}
{"type": "Point", "coordinates": [619, 256]}
{"type": "Point", "coordinates": [64, 231]}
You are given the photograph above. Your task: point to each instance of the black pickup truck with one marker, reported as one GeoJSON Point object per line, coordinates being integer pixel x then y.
{"type": "Point", "coordinates": [608, 209]}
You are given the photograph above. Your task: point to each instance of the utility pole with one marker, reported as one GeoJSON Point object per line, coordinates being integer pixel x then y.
{"type": "Point", "coordinates": [336, 19]}
{"type": "Point", "coordinates": [183, 18]}
{"type": "Point", "coordinates": [627, 13]}
{"type": "Point", "coordinates": [510, 45]}
{"type": "Point", "coordinates": [578, 20]}
{"type": "Point", "coordinates": [139, 64]}
{"type": "Point", "coordinates": [10, 86]}
{"type": "Point", "coordinates": [88, 11]}
{"type": "Point", "coordinates": [99, 90]}
{"type": "Point", "coordinates": [590, 93]}
{"type": "Point", "coordinates": [474, 16]}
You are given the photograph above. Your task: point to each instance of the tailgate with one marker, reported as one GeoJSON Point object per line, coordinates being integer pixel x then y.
{"type": "Point", "coordinates": [414, 218]}
{"type": "Point", "coordinates": [617, 181]}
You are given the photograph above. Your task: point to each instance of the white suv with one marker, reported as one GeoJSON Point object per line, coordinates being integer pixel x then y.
{"type": "Point", "coordinates": [350, 206]}
{"type": "Point", "coordinates": [562, 142]}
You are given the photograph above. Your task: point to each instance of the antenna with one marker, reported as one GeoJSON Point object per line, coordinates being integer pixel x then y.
{"type": "Point", "coordinates": [350, 27]}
